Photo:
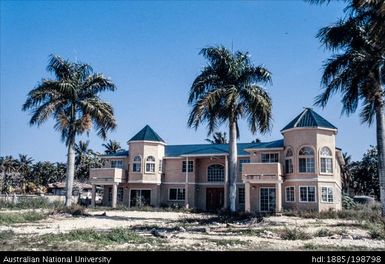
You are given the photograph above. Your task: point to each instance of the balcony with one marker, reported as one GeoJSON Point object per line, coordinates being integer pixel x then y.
{"type": "Point", "coordinates": [106, 176]}
{"type": "Point", "coordinates": [261, 172]}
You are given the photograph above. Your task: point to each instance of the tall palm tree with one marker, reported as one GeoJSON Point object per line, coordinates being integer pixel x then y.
{"type": "Point", "coordinates": [112, 147]}
{"type": "Point", "coordinates": [357, 68]}
{"type": "Point", "coordinates": [227, 90]}
{"type": "Point", "coordinates": [218, 138]}
{"type": "Point", "coordinates": [346, 173]}
{"type": "Point", "coordinates": [24, 169]}
{"type": "Point", "coordinates": [71, 98]}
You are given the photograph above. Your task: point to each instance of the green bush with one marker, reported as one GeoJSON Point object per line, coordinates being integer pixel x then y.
{"type": "Point", "coordinates": [323, 232]}
{"type": "Point", "coordinates": [377, 231]}
{"type": "Point", "coordinates": [30, 203]}
{"type": "Point", "coordinates": [294, 234]}
{"type": "Point", "coordinates": [13, 218]}
{"type": "Point", "coordinates": [348, 202]}
{"type": "Point", "coordinates": [6, 235]}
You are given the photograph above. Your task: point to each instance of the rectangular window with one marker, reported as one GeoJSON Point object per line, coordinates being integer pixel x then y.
{"type": "Point", "coordinates": [327, 194]}
{"type": "Point", "coordinates": [306, 165]}
{"type": "Point", "coordinates": [241, 196]}
{"type": "Point", "coordinates": [326, 165]}
{"type": "Point", "coordinates": [150, 167]}
{"type": "Point", "coordinates": [160, 165]}
{"type": "Point", "coordinates": [176, 194]}
{"type": "Point", "coordinates": [289, 194]}
{"type": "Point", "coordinates": [136, 167]}
{"type": "Point", "coordinates": [190, 166]}
{"type": "Point", "coordinates": [116, 164]}
{"type": "Point", "coordinates": [120, 194]}
{"type": "Point", "coordinates": [241, 163]}
{"type": "Point", "coordinates": [307, 193]}
{"type": "Point", "coordinates": [288, 166]}
{"type": "Point", "coordinates": [269, 157]}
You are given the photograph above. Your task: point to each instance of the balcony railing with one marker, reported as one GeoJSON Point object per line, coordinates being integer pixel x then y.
{"type": "Point", "coordinates": [258, 172]}
{"type": "Point", "coordinates": [104, 176]}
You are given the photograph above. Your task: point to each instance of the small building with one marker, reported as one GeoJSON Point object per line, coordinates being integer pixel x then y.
{"type": "Point", "coordinates": [299, 171]}
{"type": "Point", "coordinates": [58, 188]}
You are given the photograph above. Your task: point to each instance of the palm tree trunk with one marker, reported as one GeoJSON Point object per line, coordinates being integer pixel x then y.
{"type": "Point", "coordinates": [380, 119]}
{"type": "Point", "coordinates": [70, 171]}
{"type": "Point", "coordinates": [232, 166]}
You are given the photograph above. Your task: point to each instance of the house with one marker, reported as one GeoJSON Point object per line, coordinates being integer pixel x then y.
{"type": "Point", "coordinates": [300, 171]}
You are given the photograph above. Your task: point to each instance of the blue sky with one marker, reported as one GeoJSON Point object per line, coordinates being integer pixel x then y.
{"type": "Point", "coordinates": [150, 50]}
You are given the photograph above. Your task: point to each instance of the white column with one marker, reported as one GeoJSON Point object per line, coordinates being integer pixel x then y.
{"type": "Point", "coordinates": [114, 195]}
{"type": "Point", "coordinates": [247, 197]}
{"type": "Point", "coordinates": [186, 202]}
{"type": "Point", "coordinates": [278, 202]}
{"type": "Point", "coordinates": [93, 197]}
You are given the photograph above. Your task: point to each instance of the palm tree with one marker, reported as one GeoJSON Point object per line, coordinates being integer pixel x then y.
{"type": "Point", "coordinates": [227, 90]}
{"type": "Point", "coordinates": [358, 70]}
{"type": "Point", "coordinates": [8, 169]}
{"type": "Point", "coordinates": [346, 173]}
{"type": "Point", "coordinates": [112, 147]}
{"type": "Point", "coordinates": [25, 164]}
{"type": "Point", "coordinates": [257, 140]}
{"type": "Point", "coordinates": [71, 98]}
{"type": "Point", "coordinates": [218, 138]}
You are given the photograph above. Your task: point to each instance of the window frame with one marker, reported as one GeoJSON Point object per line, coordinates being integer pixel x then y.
{"type": "Point", "coordinates": [178, 189]}
{"type": "Point", "coordinates": [190, 166]}
{"type": "Point", "coordinates": [270, 157]}
{"type": "Point", "coordinates": [137, 164]}
{"type": "Point", "coordinates": [150, 162]}
{"type": "Point", "coordinates": [116, 161]}
{"type": "Point", "coordinates": [307, 193]}
{"type": "Point", "coordinates": [286, 188]}
{"type": "Point", "coordinates": [325, 158]}
{"type": "Point", "coordinates": [208, 176]}
{"type": "Point", "coordinates": [306, 158]}
{"type": "Point", "coordinates": [327, 195]}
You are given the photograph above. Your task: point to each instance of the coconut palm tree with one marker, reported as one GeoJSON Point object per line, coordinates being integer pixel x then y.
{"type": "Point", "coordinates": [226, 91]}
{"type": "Point", "coordinates": [72, 99]}
{"type": "Point", "coordinates": [218, 138]}
{"type": "Point", "coordinates": [346, 173]}
{"type": "Point", "coordinates": [112, 147]}
{"type": "Point", "coordinates": [24, 164]}
{"type": "Point", "coordinates": [357, 69]}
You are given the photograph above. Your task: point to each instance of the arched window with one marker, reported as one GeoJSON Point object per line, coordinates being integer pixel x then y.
{"type": "Point", "coordinates": [216, 173]}
{"type": "Point", "coordinates": [137, 164]}
{"type": "Point", "coordinates": [150, 164]}
{"type": "Point", "coordinates": [289, 161]}
{"type": "Point", "coordinates": [306, 160]}
{"type": "Point", "coordinates": [326, 160]}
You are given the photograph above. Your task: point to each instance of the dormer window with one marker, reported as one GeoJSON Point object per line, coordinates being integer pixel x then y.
{"type": "Point", "coordinates": [326, 160]}
{"type": "Point", "coordinates": [150, 164]}
{"type": "Point", "coordinates": [306, 160]}
{"type": "Point", "coordinates": [137, 164]}
{"type": "Point", "coordinates": [289, 161]}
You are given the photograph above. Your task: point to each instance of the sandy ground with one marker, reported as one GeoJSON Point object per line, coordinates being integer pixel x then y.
{"type": "Point", "coordinates": [190, 235]}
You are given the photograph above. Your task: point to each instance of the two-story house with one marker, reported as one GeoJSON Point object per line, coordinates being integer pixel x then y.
{"type": "Point", "coordinates": [300, 171]}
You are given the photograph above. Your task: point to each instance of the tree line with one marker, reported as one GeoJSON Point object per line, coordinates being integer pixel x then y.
{"type": "Point", "coordinates": [23, 175]}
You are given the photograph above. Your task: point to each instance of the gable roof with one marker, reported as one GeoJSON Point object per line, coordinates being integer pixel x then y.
{"type": "Point", "coordinates": [212, 149]}
{"type": "Point", "coordinates": [147, 134]}
{"type": "Point", "coordinates": [309, 118]}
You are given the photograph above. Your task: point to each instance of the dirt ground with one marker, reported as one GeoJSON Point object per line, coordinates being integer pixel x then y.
{"type": "Point", "coordinates": [190, 231]}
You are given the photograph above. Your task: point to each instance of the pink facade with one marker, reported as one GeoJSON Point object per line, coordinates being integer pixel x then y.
{"type": "Point", "coordinates": [300, 171]}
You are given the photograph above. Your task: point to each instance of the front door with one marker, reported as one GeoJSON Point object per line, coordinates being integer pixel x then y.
{"type": "Point", "coordinates": [139, 198]}
{"type": "Point", "coordinates": [214, 198]}
{"type": "Point", "coordinates": [267, 196]}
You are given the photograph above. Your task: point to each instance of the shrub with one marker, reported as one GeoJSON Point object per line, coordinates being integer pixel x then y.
{"type": "Point", "coordinates": [294, 234]}
{"type": "Point", "coordinates": [323, 232]}
{"type": "Point", "coordinates": [6, 235]}
{"type": "Point", "coordinates": [348, 202]}
{"type": "Point", "coordinates": [377, 231]}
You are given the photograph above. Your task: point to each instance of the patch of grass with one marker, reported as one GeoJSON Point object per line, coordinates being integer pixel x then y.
{"type": "Point", "coordinates": [377, 231]}
{"type": "Point", "coordinates": [14, 218]}
{"type": "Point", "coordinates": [310, 246]}
{"type": "Point", "coordinates": [6, 235]}
{"type": "Point", "coordinates": [294, 234]}
{"type": "Point", "coordinates": [223, 218]}
{"type": "Point", "coordinates": [150, 227]}
{"type": "Point", "coordinates": [342, 231]}
{"type": "Point", "coordinates": [114, 236]}
{"type": "Point", "coordinates": [228, 242]}
{"type": "Point", "coordinates": [30, 203]}
{"type": "Point", "coordinates": [323, 232]}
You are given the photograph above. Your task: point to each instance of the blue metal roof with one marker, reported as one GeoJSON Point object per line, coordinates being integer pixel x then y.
{"type": "Point", "coordinates": [210, 149]}
{"type": "Point", "coordinates": [309, 118]}
{"type": "Point", "coordinates": [122, 153]}
{"type": "Point", "coordinates": [147, 134]}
